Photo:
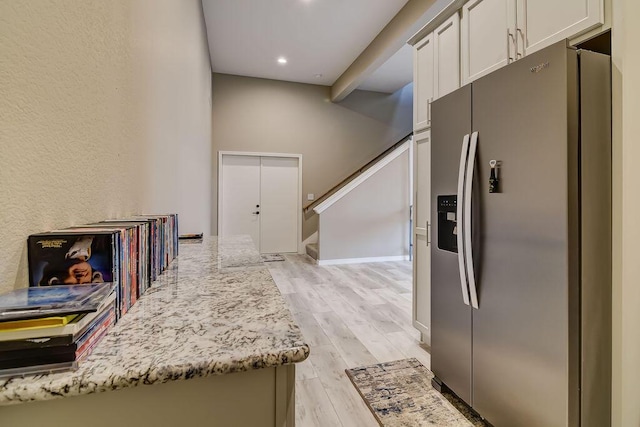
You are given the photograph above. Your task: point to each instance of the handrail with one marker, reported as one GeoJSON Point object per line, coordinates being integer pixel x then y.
{"type": "Point", "coordinates": [358, 172]}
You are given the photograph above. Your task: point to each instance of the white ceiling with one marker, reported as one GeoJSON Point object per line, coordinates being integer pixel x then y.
{"type": "Point", "coordinates": [318, 37]}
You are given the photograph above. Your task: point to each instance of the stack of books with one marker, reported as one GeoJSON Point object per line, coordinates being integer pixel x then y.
{"type": "Point", "coordinates": [47, 329]}
{"type": "Point", "coordinates": [82, 280]}
{"type": "Point", "coordinates": [130, 252]}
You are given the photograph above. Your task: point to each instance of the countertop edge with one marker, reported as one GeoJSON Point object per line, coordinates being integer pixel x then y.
{"type": "Point", "coordinates": [161, 375]}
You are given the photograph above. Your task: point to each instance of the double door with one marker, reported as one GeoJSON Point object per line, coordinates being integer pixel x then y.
{"type": "Point", "coordinates": [260, 196]}
{"type": "Point", "coordinates": [503, 281]}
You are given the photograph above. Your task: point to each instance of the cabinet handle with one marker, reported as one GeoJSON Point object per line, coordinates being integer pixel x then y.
{"type": "Point", "coordinates": [429, 101]}
{"type": "Point", "coordinates": [510, 38]}
{"type": "Point", "coordinates": [518, 30]}
{"type": "Point", "coordinates": [428, 227]}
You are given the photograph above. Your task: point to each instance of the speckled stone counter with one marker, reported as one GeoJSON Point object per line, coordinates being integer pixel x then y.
{"type": "Point", "coordinates": [215, 311]}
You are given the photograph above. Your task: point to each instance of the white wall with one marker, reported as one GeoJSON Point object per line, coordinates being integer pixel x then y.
{"type": "Point", "coordinates": [372, 220]}
{"type": "Point", "coordinates": [103, 106]}
{"type": "Point", "coordinates": [626, 216]}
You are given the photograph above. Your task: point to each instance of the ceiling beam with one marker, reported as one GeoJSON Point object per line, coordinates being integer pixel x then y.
{"type": "Point", "coordinates": [414, 15]}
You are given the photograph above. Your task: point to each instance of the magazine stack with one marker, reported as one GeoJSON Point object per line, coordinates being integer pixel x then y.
{"type": "Point", "coordinates": [82, 280]}
{"type": "Point", "coordinates": [46, 329]}
{"type": "Point", "coordinates": [131, 253]}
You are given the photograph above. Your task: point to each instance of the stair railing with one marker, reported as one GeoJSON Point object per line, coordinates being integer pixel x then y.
{"type": "Point", "coordinates": [351, 177]}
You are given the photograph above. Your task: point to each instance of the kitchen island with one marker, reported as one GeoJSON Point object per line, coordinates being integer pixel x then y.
{"type": "Point", "coordinates": [210, 343]}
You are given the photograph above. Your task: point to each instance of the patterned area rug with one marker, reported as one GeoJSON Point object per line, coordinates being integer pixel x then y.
{"type": "Point", "coordinates": [400, 394]}
{"type": "Point", "coordinates": [272, 257]}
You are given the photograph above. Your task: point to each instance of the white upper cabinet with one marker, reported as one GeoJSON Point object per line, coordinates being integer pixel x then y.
{"type": "Point", "coordinates": [423, 92]}
{"type": "Point", "coordinates": [446, 45]}
{"type": "Point", "coordinates": [436, 69]}
{"type": "Point", "coordinates": [497, 32]}
{"type": "Point", "coordinates": [541, 23]}
{"type": "Point", "coordinates": [488, 33]}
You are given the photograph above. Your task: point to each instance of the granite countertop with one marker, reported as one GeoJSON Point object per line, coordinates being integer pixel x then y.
{"type": "Point", "coordinates": [216, 310]}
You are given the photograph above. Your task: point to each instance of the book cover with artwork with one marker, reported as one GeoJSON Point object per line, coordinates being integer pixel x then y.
{"type": "Point", "coordinates": [68, 258]}
{"type": "Point", "coordinates": [75, 257]}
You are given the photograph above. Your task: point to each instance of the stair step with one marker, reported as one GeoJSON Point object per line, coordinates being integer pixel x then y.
{"type": "Point", "coordinates": [312, 250]}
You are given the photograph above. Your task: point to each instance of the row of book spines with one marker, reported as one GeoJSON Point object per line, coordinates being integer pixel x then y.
{"type": "Point", "coordinates": [132, 282]}
{"type": "Point", "coordinates": [86, 346]}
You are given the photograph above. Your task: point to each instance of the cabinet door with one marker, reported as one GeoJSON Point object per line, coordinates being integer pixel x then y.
{"type": "Point", "coordinates": [488, 38]}
{"type": "Point", "coordinates": [422, 82]}
{"type": "Point", "coordinates": [544, 22]}
{"type": "Point", "coordinates": [446, 45]}
{"type": "Point", "coordinates": [421, 221]}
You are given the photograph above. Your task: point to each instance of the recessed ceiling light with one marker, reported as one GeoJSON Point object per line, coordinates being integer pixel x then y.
{"type": "Point", "coordinates": [317, 76]}
{"type": "Point", "coordinates": [282, 60]}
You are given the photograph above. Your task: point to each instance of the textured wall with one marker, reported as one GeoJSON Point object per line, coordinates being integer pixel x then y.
{"type": "Point", "coordinates": [173, 75]}
{"type": "Point", "coordinates": [81, 84]}
{"type": "Point", "coordinates": [262, 115]}
{"type": "Point", "coordinates": [372, 220]}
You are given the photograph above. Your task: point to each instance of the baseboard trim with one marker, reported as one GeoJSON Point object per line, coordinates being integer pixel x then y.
{"type": "Point", "coordinates": [363, 260]}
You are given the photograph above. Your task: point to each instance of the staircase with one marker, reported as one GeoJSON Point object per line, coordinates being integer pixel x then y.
{"type": "Point", "coordinates": [366, 217]}
{"type": "Point", "coordinates": [312, 250]}
{"type": "Point", "coordinates": [355, 174]}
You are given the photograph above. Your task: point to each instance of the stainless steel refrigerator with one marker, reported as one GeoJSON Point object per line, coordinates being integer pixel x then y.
{"type": "Point", "coordinates": [521, 262]}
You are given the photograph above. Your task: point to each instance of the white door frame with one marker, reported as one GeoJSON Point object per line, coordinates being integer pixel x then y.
{"type": "Point", "coordinates": [258, 154]}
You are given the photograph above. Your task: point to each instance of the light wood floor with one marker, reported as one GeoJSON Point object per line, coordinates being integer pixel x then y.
{"type": "Point", "coordinates": [350, 315]}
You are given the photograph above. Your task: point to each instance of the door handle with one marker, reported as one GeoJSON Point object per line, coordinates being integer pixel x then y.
{"type": "Point", "coordinates": [459, 219]}
{"type": "Point", "coordinates": [510, 38]}
{"type": "Point", "coordinates": [468, 215]}
{"type": "Point", "coordinates": [519, 31]}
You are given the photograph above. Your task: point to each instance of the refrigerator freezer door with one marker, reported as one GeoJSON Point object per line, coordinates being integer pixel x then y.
{"type": "Point", "coordinates": [524, 351]}
{"type": "Point", "coordinates": [450, 317]}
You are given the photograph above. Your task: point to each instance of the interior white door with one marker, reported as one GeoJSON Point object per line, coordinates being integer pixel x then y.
{"type": "Point", "coordinates": [240, 197]}
{"type": "Point", "coordinates": [488, 37]}
{"type": "Point", "coordinates": [279, 204]}
{"type": "Point", "coordinates": [422, 248]}
{"type": "Point", "coordinates": [544, 22]}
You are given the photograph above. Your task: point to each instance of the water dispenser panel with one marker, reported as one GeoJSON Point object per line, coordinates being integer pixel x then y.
{"type": "Point", "coordinates": [447, 223]}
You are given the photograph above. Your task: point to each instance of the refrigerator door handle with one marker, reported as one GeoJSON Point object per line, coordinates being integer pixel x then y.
{"type": "Point", "coordinates": [459, 219]}
{"type": "Point", "coordinates": [468, 215]}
